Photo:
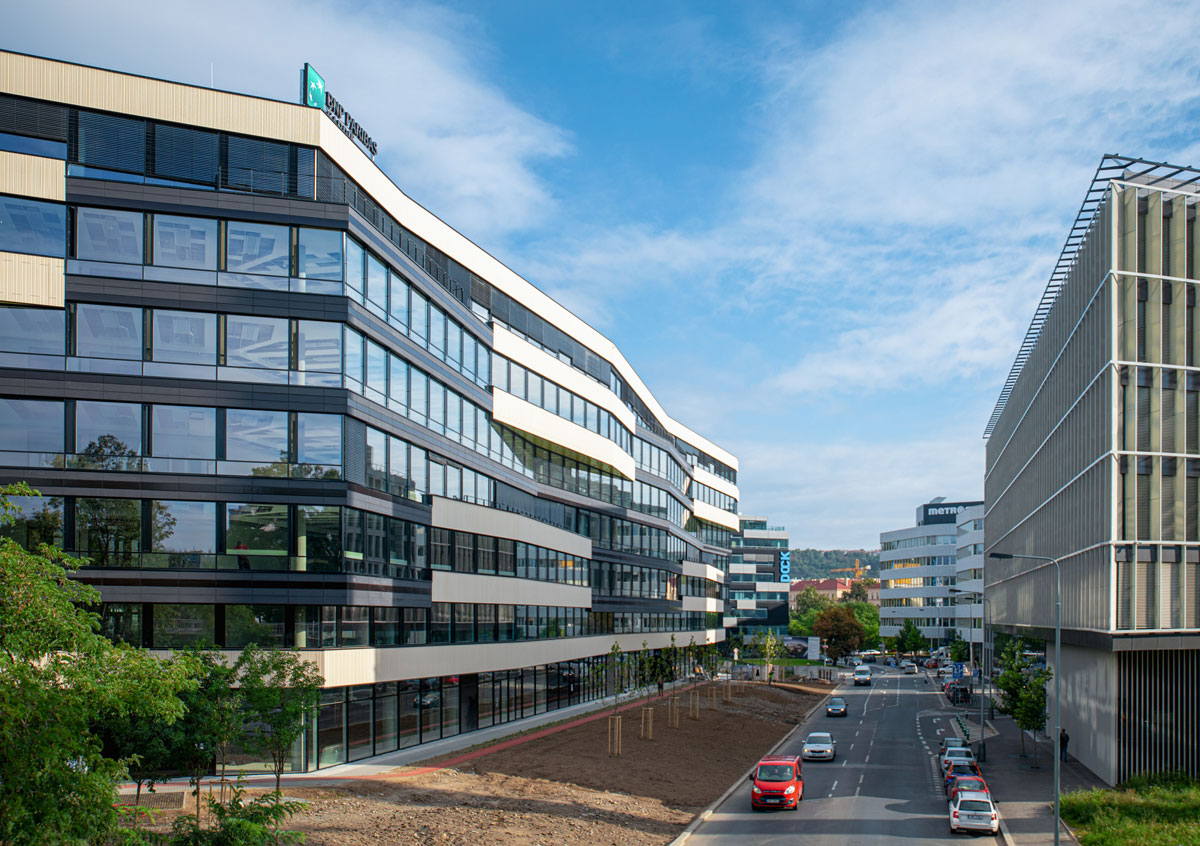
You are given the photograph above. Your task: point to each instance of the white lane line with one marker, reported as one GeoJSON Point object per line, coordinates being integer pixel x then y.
{"type": "Point", "coordinates": [833, 788]}
{"type": "Point", "coordinates": [852, 747]}
{"type": "Point", "coordinates": [867, 760]}
{"type": "Point", "coordinates": [856, 733]}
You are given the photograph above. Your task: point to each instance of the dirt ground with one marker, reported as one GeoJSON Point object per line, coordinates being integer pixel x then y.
{"type": "Point", "coordinates": [564, 788]}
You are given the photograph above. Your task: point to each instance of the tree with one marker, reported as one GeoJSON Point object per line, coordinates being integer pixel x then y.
{"type": "Point", "coordinates": [615, 659]}
{"type": "Point", "coordinates": [1030, 712]}
{"type": "Point", "coordinates": [213, 719]}
{"type": "Point", "coordinates": [868, 615]}
{"type": "Point", "coordinates": [61, 677]}
{"type": "Point", "coordinates": [809, 600]}
{"type": "Point", "coordinates": [960, 650]}
{"type": "Point", "coordinates": [1014, 669]}
{"type": "Point", "coordinates": [770, 648]}
{"type": "Point", "coordinates": [910, 638]}
{"type": "Point", "coordinates": [857, 593]}
{"type": "Point", "coordinates": [281, 691]}
{"type": "Point", "coordinates": [841, 631]}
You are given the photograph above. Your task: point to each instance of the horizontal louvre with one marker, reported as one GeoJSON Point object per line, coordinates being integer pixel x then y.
{"type": "Point", "coordinates": [33, 118]}
{"type": "Point", "coordinates": [109, 142]}
{"type": "Point", "coordinates": [179, 152]}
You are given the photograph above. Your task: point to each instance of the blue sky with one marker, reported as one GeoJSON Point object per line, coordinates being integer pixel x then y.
{"type": "Point", "coordinates": [817, 230]}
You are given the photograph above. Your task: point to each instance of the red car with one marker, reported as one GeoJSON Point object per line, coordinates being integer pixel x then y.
{"type": "Point", "coordinates": [967, 782]}
{"type": "Point", "coordinates": [777, 782]}
{"type": "Point", "coordinates": [962, 769]}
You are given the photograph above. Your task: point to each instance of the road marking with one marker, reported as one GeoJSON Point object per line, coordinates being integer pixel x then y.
{"type": "Point", "coordinates": [856, 733]}
{"type": "Point", "coordinates": [867, 760]}
{"type": "Point", "coordinates": [833, 788]}
{"type": "Point", "coordinates": [844, 762]}
{"type": "Point", "coordinates": [851, 746]}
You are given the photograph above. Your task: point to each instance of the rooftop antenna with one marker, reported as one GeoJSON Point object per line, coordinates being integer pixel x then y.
{"type": "Point", "coordinates": [210, 75]}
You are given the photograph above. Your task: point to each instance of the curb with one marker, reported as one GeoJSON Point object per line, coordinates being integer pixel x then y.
{"type": "Point", "coordinates": [707, 812]}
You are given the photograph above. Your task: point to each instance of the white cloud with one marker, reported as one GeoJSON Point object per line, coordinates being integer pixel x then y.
{"type": "Point", "coordinates": [416, 76]}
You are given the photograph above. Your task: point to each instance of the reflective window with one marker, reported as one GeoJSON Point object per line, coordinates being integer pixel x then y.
{"type": "Point", "coordinates": [376, 282]}
{"type": "Point", "coordinates": [256, 529]}
{"type": "Point", "coordinates": [38, 520]}
{"type": "Point", "coordinates": [319, 535]}
{"type": "Point", "coordinates": [320, 346]}
{"type": "Point", "coordinates": [108, 428]}
{"type": "Point", "coordinates": [183, 626]}
{"type": "Point", "coordinates": [108, 331]}
{"type": "Point", "coordinates": [39, 331]}
{"type": "Point", "coordinates": [354, 356]}
{"type": "Point", "coordinates": [398, 382]}
{"type": "Point", "coordinates": [319, 254]}
{"type": "Point", "coordinates": [257, 165]}
{"type": "Point", "coordinates": [183, 431]}
{"type": "Point", "coordinates": [252, 435]}
{"type": "Point", "coordinates": [262, 625]}
{"type": "Point", "coordinates": [107, 235]}
{"type": "Point", "coordinates": [355, 267]}
{"type": "Point", "coordinates": [437, 331]}
{"type": "Point", "coordinates": [256, 342]}
{"type": "Point", "coordinates": [399, 300]}
{"type": "Point", "coordinates": [256, 248]}
{"type": "Point", "coordinates": [419, 327]}
{"type": "Point", "coordinates": [31, 425]}
{"type": "Point", "coordinates": [185, 337]}
{"type": "Point", "coordinates": [33, 226]}
{"type": "Point", "coordinates": [189, 242]}
{"type": "Point", "coordinates": [377, 368]}
{"type": "Point", "coordinates": [418, 402]}
{"type": "Point", "coordinates": [108, 531]}
{"type": "Point", "coordinates": [181, 526]}
{"type": "Point", "coordinates": [319, 439]}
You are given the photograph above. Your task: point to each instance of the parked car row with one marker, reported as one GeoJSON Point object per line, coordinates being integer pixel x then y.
{"type": "Point", "coordinates": [970, 805]}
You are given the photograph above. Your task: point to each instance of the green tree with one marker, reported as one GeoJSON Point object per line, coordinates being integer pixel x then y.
{"type": "Point", "coordinates": [960, 650]}
{"type": "Point", "coordinates": [769, 647]}
{"type": "Point", "coordinates": [868, 615]}
{"type": "Point", "coordinates": [281, 691]}
{"type": "Point", "coordinates": [1030, 711]}
{"type": "Point", "coordinates": [809, 600]}
{"type": "Point", "coordinates": [616, 657]}
{"type": "Point", "coordinates": [910, 639]}
{"type": "Point", "coordinates": [857, 593]}
{"type": "Point", "coordinates": [60, 678]}
{"type": "Point", "coordinates": [841, 631]}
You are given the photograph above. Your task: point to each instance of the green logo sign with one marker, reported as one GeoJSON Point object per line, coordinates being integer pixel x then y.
{"type": "Point", "coordinates": [314, 88]}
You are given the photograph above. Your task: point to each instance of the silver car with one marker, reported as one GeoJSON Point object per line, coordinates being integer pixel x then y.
{"type": "Point", "coordinates": [819, 746]}
{"type": "Point", "coordinates": [973, 811]}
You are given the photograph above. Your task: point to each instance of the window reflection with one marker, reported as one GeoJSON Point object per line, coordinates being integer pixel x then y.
{"type": "Point", "coordinates": [184, 337]}
{"type": "Point", "coordinates": [318, 445]}
{"type": "Point", "coordinates": [255, 529]}
{"type": "Point", "coordinates": [256, 436]}
{"type": "Point", "coordinates": [256, 248]}
{"type": "Point", "coordinates": [181, 626]}
{"type": "Point", "coordinates": [37, 520]}
{"type": "Point", "coordinates": [182, 431]}
{"type": "Point", "coordinates": [182, 526]}
{"type": "Point", "coordinates": [32, 226]}
{"type": "Point", "coordinates": [39, 331]}
{"type": "Point", "coordinates": [107, 433]}
{"type": "Point", "coordinates": [256, 342]}
{"type": "Point", "coordinates": [33, 426]}
{"type": "Point", "coordinates": [188, 242]}
{"type": "Point", "coordinates": [108, 331]}
{"type": "Point", "coordinates": [108, 531]}
{"type": "Point", "coordinates": [319, 254]}
{"type": "Point", "coordinates": [107, 235]}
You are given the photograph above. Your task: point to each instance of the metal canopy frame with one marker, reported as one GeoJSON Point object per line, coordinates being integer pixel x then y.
{"type": "Point", "coordinates": [1112, 167]}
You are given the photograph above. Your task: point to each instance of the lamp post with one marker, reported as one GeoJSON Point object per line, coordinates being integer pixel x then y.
{"type": "Point", "coordinates": [1057, 672]}
{"type": "Point", "coordinates": [983, 660]}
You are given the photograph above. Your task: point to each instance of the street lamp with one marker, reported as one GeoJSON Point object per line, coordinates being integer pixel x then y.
{"type": "Point", "coordinates": [1003, 556]}
{"type": "Point", "coordinates": [983, 660]}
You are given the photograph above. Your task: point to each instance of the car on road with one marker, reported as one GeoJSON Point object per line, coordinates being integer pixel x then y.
{"type": "Point", "coordinates": [962, 768]}
{"type": "Point", "coordinates": [862, 675]}
{"type": "Point", "coordinates": [777, 782]}
{"type": "Point", "coordinates": [836, 707]}
{"type": "Point", "coordinates": [973, 783]}
{"type": "Point", "coordinates": [819, 746]}
{"type": "Point", "coordinates": [951, 741]}
{"type": "Point", "coordinates": [910, 669]}
{"type": "Point", "coordinates": [973, 811]}
{"type": "Point", "coordinates": [955, 753]}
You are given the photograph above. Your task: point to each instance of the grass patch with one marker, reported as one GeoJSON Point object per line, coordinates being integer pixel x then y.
{"type": "Point", "coordinates": [1158, 810]}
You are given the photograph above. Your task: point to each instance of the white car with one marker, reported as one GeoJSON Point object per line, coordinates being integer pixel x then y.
{"type": "Point", "coordinates": [973, 811]}
{"type": "Point", "coordinates": [910, 669]}
{"type": "Point", "coordinates": [819, 746]}
{"type": "Point", "coordinates": [955, 754]}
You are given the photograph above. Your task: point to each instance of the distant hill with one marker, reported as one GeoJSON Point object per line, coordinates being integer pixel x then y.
{"type": "Point", "coordinates": [817, 563]}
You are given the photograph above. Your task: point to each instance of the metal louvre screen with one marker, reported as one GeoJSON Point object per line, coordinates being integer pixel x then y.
{"type": "Point", "coordinates": [108, 141]}
{"type": "Point", "coordinates": [183, 153]}
{"type": "Point", "coordinates": [1157, 708]}
{"type": "Point", "coordinates": [33, 118]}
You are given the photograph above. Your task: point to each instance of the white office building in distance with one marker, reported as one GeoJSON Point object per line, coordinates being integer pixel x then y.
{"type": "Point", "coordinates": [918, 572]}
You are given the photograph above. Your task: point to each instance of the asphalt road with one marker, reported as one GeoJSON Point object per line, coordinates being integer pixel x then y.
{"type": "Point", "coordinates": [882, 788]}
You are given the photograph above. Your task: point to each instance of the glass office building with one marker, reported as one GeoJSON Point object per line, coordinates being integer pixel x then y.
{"type": "Point", "coordinates": [759, 579]}
{"type": "Point", "coordinates": [272, 400]}
{"type": "Point", "coordinates": [1093, 459]}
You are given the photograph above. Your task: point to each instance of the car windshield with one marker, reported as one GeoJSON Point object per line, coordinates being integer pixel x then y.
{"type": "Point", "coordinates": [975, 805]}
{"type": "Point", "coordinates": [837, 703]}
{"type": "Point", "coordinates": [962, 769]}
{"type": "Point", "coordinates": [775, 772]}
{"type": "Point", "coordinates": [958, 752]}
{"type": "Point", "coordinates": [969, 784]}
{"type": "Point", "coordinates": [819, 738]}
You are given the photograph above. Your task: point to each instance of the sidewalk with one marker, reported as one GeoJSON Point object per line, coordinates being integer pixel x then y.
{"type": "Point", "coordinates": [1025, 795]}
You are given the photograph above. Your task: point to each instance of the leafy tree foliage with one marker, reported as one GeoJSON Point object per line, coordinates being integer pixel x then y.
{"type": "Point", "coordinates": [868, 615]}
{"type": "Point", "coordinates": [281, 690]}
{"type": "Point", "coordinates": [240, 823]}
{"type": "Point", "coordinates": [857, 593]}
{"type": "Point", "coordinates": [769, 647]}
{"type": "Point", "coordinates": [960, 650]}
{"type": "Point", "coordinates": [910, 638]}
{"type": "Point", "coordinates": [60, 677]}
{"type": "Point", "coordinates": [820, 563]}
{"type": "Point", "coordinates": [841, 631]}
{"type": "Point", "coordinates": [809, 600]}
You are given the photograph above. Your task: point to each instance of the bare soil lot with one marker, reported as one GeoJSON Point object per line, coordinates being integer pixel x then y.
{"type": "Point", "coordinates": [564, 788]}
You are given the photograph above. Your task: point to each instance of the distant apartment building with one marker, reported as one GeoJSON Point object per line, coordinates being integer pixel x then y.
{"type": "Point", "coordinates": [918, 572]}
{"type": "Point", "coordinates": [759, 578]}
{"type": "Point", "coordinates": [1093, 460]}
{"type": "Point", "coordinates": [831, 589]}
{"type": "Point", "coordinates": [968, 577]}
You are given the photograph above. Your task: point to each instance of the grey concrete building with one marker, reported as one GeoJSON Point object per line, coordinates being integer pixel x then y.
{"type": "Point", "coordinates": [1093, 459]}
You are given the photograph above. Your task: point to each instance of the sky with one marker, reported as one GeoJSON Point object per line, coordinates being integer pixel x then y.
{"type": "Point", "coordinates": [818, 231]}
